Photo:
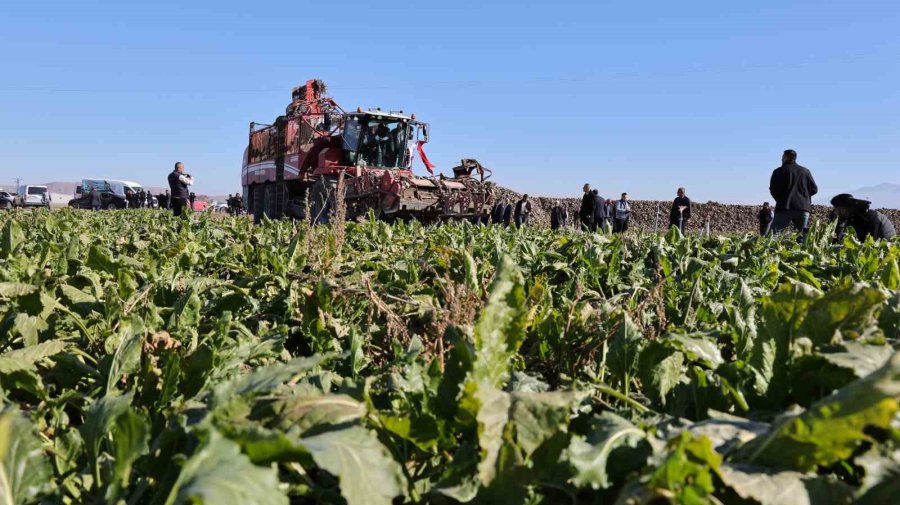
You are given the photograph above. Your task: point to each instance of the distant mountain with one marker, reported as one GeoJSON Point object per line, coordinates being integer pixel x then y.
{"type": "Point", "coordinates": [883, 196]}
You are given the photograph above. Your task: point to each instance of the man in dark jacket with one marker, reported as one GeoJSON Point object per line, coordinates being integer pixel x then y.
{"type": "Point", "coordinates": [856, 213]}
{"type": "Point", "coordinates": [559, 216]}
{"type": "Point", "coordinates": [507, 213]}
{"type": "Point", "coordinates": [601, 211]}
{"type": "Point", "coordinates": [95, 198]}
{"type": "Point", "coordinates": [523, 211]}
{"type": "Point", "coordinates": [497, 212]}
{"type": "Point", "coordinates": [178, 184]}
{"type": "Point", "coordinates": [765, 219]}
{"type": "Point", "coordinates": [792, 186]}
{"type": "Point", "coordinates": [681, 210]}
{"type": "Point", "coordinates": [586, 212]}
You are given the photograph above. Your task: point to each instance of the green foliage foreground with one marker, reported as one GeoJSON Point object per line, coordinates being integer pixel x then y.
{"type": "Point", "coordinates": [148, 360]}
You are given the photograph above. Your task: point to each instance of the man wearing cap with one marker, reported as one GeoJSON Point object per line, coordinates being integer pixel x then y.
{"type": "Point", "coordinates": [792, 186]}
{"type": "Point", "coordinates": [856, 213]}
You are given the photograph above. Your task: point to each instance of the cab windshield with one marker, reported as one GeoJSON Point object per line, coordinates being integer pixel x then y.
{"type": "Point", "coordinates": [376, 141]}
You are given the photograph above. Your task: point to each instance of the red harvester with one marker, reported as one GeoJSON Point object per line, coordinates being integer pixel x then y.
{"type": "Point", "coordinates": [294, 165]}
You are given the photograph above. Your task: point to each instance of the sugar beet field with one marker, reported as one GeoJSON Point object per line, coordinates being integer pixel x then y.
{"type": "Point", "coordinates": [146, 359]}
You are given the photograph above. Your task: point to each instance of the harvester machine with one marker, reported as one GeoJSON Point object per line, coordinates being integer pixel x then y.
{"type": "Point", "coordinates": [295, 167]}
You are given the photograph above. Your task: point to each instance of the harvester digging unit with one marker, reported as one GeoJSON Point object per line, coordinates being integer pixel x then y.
{"type": "Point", "coordinates": [292, 167]}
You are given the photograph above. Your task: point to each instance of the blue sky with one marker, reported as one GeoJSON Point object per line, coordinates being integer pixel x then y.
{"type": "Point", "coordinates": [630, 96]}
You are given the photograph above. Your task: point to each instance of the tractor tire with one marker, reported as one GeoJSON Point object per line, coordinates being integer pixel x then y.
{"type": "Point", "coordinates": [256, 202]}
{"type": "Point", "coordinates": [110, 206]}
{"type": "Point", "coordinates": [269, 201]}
{"type": "Point", "coordinates": [296, 207]}
{"type": "Point", "coordinates": [321, 199]}
{"type": "Point", "coordinates": [8, 205]}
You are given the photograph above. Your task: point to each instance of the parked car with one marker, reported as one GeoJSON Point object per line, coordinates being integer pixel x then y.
{"type": "Point", "coordinates": [108, 200]}
{"type": "Point", "coordinates": [112, 193]}
{"type": "Point", "coordinates": [6, 200]}
{"type": "Point", "coordinates": [32, 196]}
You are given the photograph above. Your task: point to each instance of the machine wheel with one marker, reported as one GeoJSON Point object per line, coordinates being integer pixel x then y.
{"type": "Point", "coordinates": [256, 202]}
{"type": "Point", "coordinates": [295, 208]}
{"type": "Point", "coordinates": [110, 206]}
{"type": "Point", "coordinates": [8, 206]}
{"type": "Point", "coordinates": [321, 199]}
{"type": "Point", "coordinates": [269, 201]}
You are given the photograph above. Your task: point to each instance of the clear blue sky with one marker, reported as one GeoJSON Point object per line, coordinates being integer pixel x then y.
{"type": "Point", "coordinates": [630, 96]}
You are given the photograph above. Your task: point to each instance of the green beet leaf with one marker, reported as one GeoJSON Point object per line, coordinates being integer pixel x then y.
{"type": "Point", "coordinates": [833, 428]}
{"type": "Point", "coordinates": [367, 473]}
{"type": "Point", "coordinates": [25, 471]}
{"type": "Point", "coordinates": [218, 473]}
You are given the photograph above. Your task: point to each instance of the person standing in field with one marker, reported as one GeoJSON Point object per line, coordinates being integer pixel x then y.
{"type": "Point", "coordinates": [95, 198]}
{"type": "Point", "coordinates": [792, 186]}
{"type": "Point", "coordinates": [497, 212]}
{"type": "Point", "coordinates": [178, 184]}
{"type": "Point", "coordinates": [559, 216]}
{"type": "Point", "coordinates": [765, 218]}
{"type": "Point", "coordinates": [622, 214]}
{"type": "Point", "coordinates": [507, 213]}
{"type": "Point", "coordinates": [600, 211]}
{"type": "Point", "coordinates": [586, 212]}
{"type": "Point", "coordinates": [192, 197]}
{"type": "Point", "coordinates": [523, 211]}
{"type": "Point", "coordinates": [681, 210]}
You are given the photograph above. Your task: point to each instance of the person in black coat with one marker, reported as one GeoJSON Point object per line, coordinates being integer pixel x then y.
{"type": "Point", "coordinates": [96, 202]}
{"type": "Point", "coordinates": [792, 186]}
{"type": "Point", "coordinates": [497, 212]}
{"type": "Point", "coordinates": [852, 212]}
{"type": "Point", "coordinates": [765, 219]}
{"type": "Point", "coordinates": [600, 211]}
{"type": "Point", "coordinates": [586, 212]}
{"type": "Point", "coordinates": [507, 213]}
{"type": "Point", "coordinates": [178, 184]}
{"type": "Point", "coordinates": [559, 216]}
{"type": "Point", "coordinates": [681, 210]}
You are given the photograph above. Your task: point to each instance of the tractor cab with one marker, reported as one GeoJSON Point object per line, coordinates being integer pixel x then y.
{"type": "Point", "coordinates": [381, 139]}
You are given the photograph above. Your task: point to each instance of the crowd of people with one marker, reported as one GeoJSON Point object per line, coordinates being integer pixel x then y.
{"type": "Point", "coordinates": [139, 199]}
{"type": "Point", "coordinates": [235, 204]}
{"type": "Point", "coordinates": [596, 213]}
{"type": "Point", "coordinates": [791, 185]}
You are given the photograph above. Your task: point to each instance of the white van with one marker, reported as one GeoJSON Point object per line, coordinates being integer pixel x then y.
{"type": "Point", "coordinates": [32, 196]}
{"type": "Point", "coordinates": [116, 187]}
